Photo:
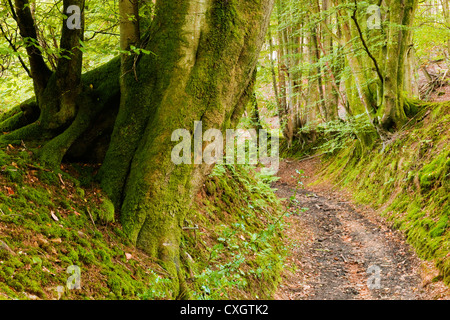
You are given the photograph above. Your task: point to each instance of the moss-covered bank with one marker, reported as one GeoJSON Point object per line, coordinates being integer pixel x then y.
{"type": "Point", "coordinates": [50, 220]}
{"type": "Point", "coordinates": [408, 180]}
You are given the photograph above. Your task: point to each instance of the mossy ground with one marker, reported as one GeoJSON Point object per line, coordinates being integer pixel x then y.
{"type": "Point", "coordinates": [408, 181]}
{"type": "Point", "coordinates": [50, 220]}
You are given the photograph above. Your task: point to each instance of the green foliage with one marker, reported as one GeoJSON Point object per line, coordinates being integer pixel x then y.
{"type": "Point", "coordinates": [336, 134]}
{"type": "Point", "coordinates": [157, 289]}
{"type": "Point", "coordinates": [100, 43]}
{"type": "Point", "coordinates": [431, 34]}
{"type": "Point", "coordinates": [245, 256]}
{"type": "Point", "coordinates": [28, 215]}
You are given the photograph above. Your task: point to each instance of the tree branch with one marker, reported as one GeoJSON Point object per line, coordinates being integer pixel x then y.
{"type": "Point", "coordinates": [68, 69]}
{"type": "Point", "coordinates": [13, 12]}
{"type": "Point", "coordinates": [69, 66]}
{"type": "Point", "coordinates": [366, 48]}
{"type": "Point", "coordinates": [39, 70]}
{"type": "Point", "coordinates": [16, 50]}
{"type": "Point", "coordinates": [327, 29]}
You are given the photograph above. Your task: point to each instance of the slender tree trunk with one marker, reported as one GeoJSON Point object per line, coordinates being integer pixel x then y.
{"type": "Point", "coordinates": [446, 11]}
{"type": "Point", "coordinates": [39, 70]}
{"type": "Point", "coordinates": [315, 92]}
{"type": "Point", "coordinates": [286, 122]}
{"type": "Point", "coordinates": [274, 77]}
{"type": "Point", "coordinates": [255, 115]}
{"type": "Point", "coordinates": [133, 114]}
{"type": "Point", "coordinates": [330, 93]}
{"type": "Point", "coordinates": [392, 110]}
{"type": "Point", "coordinates": [365, 103]}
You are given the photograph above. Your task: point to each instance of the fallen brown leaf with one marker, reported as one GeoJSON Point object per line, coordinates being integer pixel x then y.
{"type": "Point", "coordinates": [10, 191]}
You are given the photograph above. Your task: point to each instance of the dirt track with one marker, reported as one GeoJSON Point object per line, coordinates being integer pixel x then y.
{"type": "Point", "coordinates": [343, 252]}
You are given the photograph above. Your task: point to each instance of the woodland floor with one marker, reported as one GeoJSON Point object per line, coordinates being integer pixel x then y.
{"type": "Point", "coordinates": [333, 244]}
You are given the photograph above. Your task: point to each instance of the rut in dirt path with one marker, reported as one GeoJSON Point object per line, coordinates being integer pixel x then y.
{"type": "Point", "coordinates": [343, 254]}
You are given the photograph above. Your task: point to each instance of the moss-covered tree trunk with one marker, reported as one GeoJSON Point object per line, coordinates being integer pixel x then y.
{"type": "Point", "coordinates": [204, 54]}
{"type": "Point", "coordinates": [401, 15]}
{"type": "Point", "coordinates": [331, 92]}
{"type": "Point", "coordinates": [283, 79]}
{"type": "Point", "coordinates": [57, 93]}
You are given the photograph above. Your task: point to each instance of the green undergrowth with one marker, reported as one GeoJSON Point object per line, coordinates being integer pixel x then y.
{"type": "Point", "coordinates": [52, 220]}
{"type": "Point", "coordinates": [408, 180]}
{"type": "Point", "coordinates": [327, 137]}
{"type": "Point", "coordinates": [235, 248]}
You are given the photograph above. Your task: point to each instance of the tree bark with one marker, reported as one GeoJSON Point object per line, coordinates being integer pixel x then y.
{"type": "Point", "coordinates": [364, 104]}
{"type": "Point", "coordinates": [401, 17]}
{"type": "Point", "coordinates": [205, 54]}
{"type": "Point", "coordinates": [446, 11]}
{"type": "Point", "coordinates": [285, 121]}
{"type": "Point", "coordinates": [39, 70]}
{"type": "Point", "coordinates": [274, 77]}
{"type": "Point", "coordinates": [331, 93]}
{"type": "Point", "coordinates": [313, 103]}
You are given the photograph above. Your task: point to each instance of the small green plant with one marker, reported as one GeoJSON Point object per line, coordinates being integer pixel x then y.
{"type": "Point", "coordinates": [214, 283]}
{"type": "Point", "coordinates": [293, 202]}
{"type": "Point", "coordinates": [158, 289]}
{"type": "Point", "coordinates": [247, 256]}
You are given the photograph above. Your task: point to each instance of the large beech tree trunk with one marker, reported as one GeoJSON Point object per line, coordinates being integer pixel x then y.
{"type": "Point", "coordinates": [401, 15]}
{"type": "Point", "coordinates": [205, 54]}
{"type": "Point", "coordinates": [201, 68]}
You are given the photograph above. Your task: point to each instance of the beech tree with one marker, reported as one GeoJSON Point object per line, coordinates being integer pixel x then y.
{"type": "Point", "coordinates": [188, 61]}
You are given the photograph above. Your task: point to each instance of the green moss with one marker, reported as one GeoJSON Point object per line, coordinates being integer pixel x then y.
{"type": "Point", "coordinates": [35, 287]}
{"type": "Point", "coordinates": [244, 217]}
{"type": "Point", "coordinates": [98, 235]}
{"type": "Point", "coordinates": [68, 261]}
{"type": "Point", "coordinates": [83, 242]}
{"type": "Point", "coordinates": [73, 255]}
{"type": "Point", "coordinates": [104, 257]}
{"type": "Point", "coordinates": [120, 286]}
{"type": "Point", "coordinates": [434, 171]}
{"type": "Point", "coordinates": [86, 256]}
{"type": "Point", "coordinates": [106, 212]}
{"type": "Point", "coordinates": [410, 179]}
{"type": "Point", "coordinates": [13, 174]}
{"type": "Point", "coordinates": [80, 192]}
{"type": "Point", "coordinates": [7, 290]}
{"type": "Point", "coordinates": [4, 254]}
{"type": "Point", "coordinates": [440, 227]}
{"type": "Point", "coordinates": [101, 250]}
{"type": "Point", "coordinates": [40, 197]}
{"type": "Point", "coordinates": [4, 158]}
{"type": "Point", "coordinates": [15, 284]}
{"type": "Point", "coordinates": [49, 178]}
{"type": "Point", "coordinates": [412, 107]}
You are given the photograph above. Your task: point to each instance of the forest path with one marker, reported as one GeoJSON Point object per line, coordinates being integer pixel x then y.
{"type": "Point", "coordinates": [341, 251]}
